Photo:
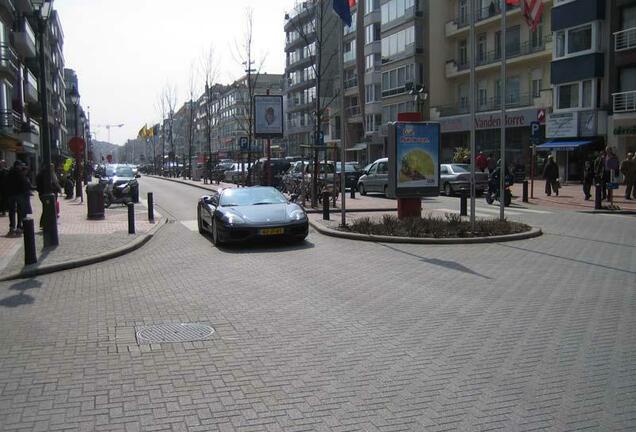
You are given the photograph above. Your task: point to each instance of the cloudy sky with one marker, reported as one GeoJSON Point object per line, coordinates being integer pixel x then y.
{"type": "Point", "coordinates": [126, 51]}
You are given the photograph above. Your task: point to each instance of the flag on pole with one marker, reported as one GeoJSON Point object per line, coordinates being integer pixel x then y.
{"type": "Point", "coordinates": [142, 132]}
{"type": "Point", "coordinates": [343, 9]}
{"type": "Point", "coordinates": [532, 11]}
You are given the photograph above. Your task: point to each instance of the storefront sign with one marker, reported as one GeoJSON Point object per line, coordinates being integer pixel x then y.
{"type": "Point", "coordinates": [562, 125]}
{"type": "Point", "coordinates": [625, 130]}
{"type": "Point", "coordinates": [514, 119]}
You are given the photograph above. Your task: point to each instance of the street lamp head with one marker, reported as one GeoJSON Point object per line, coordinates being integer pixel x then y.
{"type": "Point", "coordinates": [44, 7]}
{"type": "Point", "coordinates": [74, 94]}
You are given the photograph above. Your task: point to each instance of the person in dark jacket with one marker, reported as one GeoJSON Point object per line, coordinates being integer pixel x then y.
{"type": "Point", "coordinates": [19, 196]}
{"type": "Point", "coordinates": [3, 193]}
{"type": "Point", "coordinates": [42, 190]}
{"type": "Point", "coordinates": [588, 179]}
{"type": "Point", "coordinates": [551, 174]}
{"type": "Point", "coordinates": [599, 172]}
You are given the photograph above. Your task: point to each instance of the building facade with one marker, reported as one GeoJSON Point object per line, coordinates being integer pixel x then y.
{"type": "Point", "coordinates": [621, 131]}
{"type": "Point", "coordinates": [311, 71]}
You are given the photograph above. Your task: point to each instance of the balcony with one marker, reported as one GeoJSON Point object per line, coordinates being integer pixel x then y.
{"type": "Point", "coordinates": [491, 104]}
{"type": "Point", "coordinates": [25, 40]}
{"type": "Point", "coordinates": [514, 54]}
{"type": "Point", "coordinates": [624, 102]}
{"type": "Point", "coordinates": [461, 23]}
{"type": "Point", "coordinates": [625, 39]}
{"type": "Point", "coordinates": [353, 111]}
{"type": "Point", "coordinates": [10, 122]}
{"type": "Point", "coordinates": [31, 87]}
{"type": "Point", "coordinates": [30, 132]}
{"type": "Point", "coordinates": [8, 61]}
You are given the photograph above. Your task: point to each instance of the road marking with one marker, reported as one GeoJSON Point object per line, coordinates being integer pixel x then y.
{"type": "Point", "coordinates": [192, 225]}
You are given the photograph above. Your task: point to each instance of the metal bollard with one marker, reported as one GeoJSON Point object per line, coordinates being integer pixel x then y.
{"type": "Point", "coordinates": [353, 192]}
{"type": "Point", "coordinates": [525, 191]}
{"type": "Point", "coordinates": [463, 204]}
{"type": "Point", "coordinates": [325, 205]}
{"type": "Point", "coordinates": [598, 196]}
{"type": "Point", "coordinates": [151, 207]}
{"type": "Point", "coordinates": [131, 218]}
{"type": "Point", "coordinates": [30, 256]}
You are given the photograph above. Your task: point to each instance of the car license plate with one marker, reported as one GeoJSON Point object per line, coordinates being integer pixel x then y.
{"type": "Point", "coordinates": [271, 231]}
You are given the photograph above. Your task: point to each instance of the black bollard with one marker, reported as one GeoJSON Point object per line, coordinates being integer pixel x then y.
{"type": "Point", "coordinates": [525, 191]}
{"type": "Point", "coordinates": [463, 204]}
{"type": "Point", "coordinates": [151, 207]}
{"type": "Point", "coordinates": [325, 205]}
{"type": "Point", "coordinates": [30, 256]}
{"type": "Point", "coordinates": [131, 218]}
{"type": "Point", "coordinates": [353, 192]}
{"type": "Point", "coordinates": [598, 196]}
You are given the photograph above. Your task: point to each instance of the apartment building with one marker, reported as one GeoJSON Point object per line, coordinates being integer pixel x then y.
{"type": "Point", "coordinates": [528, 95]}
{"type": "Point", "coordinates": [19, 98]}
{"type": "Point", "coordinates": [76, 122]}
{"type": "Point", "coordinates": [311, 44]}
{"type": "Point", "coordinates": [579, 79]}
{"type": "Point", "coordinates": [621, 131]}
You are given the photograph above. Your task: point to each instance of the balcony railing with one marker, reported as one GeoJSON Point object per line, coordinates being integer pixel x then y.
{"type": "Point", "coordinates": [624, 102]}
{"type": "Point", "coordinates": [351, 82]}
{"type": "Point", "coordinates": [490, 104]}
{"type": "Point", "coordinates": [353, 110]}
{"type": "Point", "coordinates": [482, 14]}
{"type": "Point", "coordinates": [10, 120]}
{"type": "Point", "coordinates": [625, 39]}
{"type": "Point", "coordinates": [512, 51]}
{"type": "Point", "coordinates": [8, 57]}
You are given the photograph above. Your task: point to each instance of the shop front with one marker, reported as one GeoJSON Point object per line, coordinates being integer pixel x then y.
{"type": "Point", "coordinates": [621, 134]}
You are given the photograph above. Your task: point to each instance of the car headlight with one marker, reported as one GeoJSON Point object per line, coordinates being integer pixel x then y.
{"type": "Point", "coordinates": [297, 215]}
{"type": "Point", "coordinates": [232, 219]}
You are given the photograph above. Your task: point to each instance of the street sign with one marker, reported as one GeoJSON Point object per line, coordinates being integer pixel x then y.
{"type": "Point", "coordinates": [541, 115]}
{"type": "Point", "coordinates": [77, 145]}
{"type": "Point", "coordinates": [535, 132]}
{"type": "Point", "coordinates": [243, 143]}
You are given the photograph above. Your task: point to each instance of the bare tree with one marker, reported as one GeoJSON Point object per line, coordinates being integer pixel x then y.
{"type": "Point", "coordinates": [319, 35]}
{"type": "Point", "coordinates": [244, 54]}
{"type": "Point", "coordinates": [209, 70]}
{"type": "Point", "coordinates": [161, 107]}
{"type": "Point", "coordinates": [169, 95]}
{"type": "Point", "coordinates": [192, 91]}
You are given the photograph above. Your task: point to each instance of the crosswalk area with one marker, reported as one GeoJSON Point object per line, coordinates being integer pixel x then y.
{"type": "Point", "coordinates": [493, 211]}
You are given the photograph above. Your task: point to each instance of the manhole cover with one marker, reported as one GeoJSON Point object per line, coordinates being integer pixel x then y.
{"type": "Point", "coordinates": [176, 332]}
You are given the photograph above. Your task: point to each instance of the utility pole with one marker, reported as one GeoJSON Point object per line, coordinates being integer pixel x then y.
{"type": "Point", "coordinates": [471, 60]}
{"type": "Point", "coordinates": [502, 167]}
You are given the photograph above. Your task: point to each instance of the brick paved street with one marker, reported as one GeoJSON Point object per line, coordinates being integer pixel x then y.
{"type": "Point", "coordinates": [331, 335]}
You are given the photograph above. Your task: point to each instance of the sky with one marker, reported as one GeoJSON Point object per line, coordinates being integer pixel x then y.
{"type": "Point", "coordinates": [125, 52]}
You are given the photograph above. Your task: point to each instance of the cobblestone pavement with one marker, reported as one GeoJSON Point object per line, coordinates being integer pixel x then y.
{"type": "Point", "coordinates": [79, 237]}
{"type": "Point", "coordinates": [331, 335]}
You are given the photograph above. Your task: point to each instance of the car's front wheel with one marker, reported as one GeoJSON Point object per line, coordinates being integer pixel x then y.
{"type": "Point", "coordinates": [361, 188]}
{"type": "Point", "coordinates": [448, 189]}
{"type": "Point", "coordinates": [215, 233]}
{"type": "Point", "coordinates": [199, 221]}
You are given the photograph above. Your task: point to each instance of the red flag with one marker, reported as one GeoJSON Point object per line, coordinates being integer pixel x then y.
{"type": "Point", "coordinates": [533, 10]}
{"type": "Point", "coordinates": [512, 2]}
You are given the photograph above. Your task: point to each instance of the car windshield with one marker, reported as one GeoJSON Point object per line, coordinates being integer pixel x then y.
{"type": "Point", "coordinates": [348, 168]}
{"type": "Point", "coordinates": [109, 171]}
{"type": "Point", "coordinates": [124, 171]}
{"type": "Point", "coordinates": [463, 168]}
{"type": "Point", "coordinates": [251, 196]}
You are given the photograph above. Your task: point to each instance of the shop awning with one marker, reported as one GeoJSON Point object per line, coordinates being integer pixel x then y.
{"type": "Point", "coordinates": [562, 145]}
{"type": "Point", "coordinates": [358, 147]}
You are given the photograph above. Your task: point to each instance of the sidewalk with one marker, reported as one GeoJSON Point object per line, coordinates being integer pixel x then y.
{"type": "Point", "coordinates": [80, 240]}
{"type": "Point", "coordinates": [570, 197]}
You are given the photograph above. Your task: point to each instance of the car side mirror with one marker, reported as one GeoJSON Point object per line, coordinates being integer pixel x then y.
{"type": "Point", "coordinates": [293, 198]}
{"type": "Point", "coordinates": [137, 175]}
{"type": "Point", "coordinates": [97, 176]}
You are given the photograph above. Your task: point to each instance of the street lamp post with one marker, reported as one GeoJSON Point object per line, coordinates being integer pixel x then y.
{"type": "Point", "coordinates": [420, 95]}
{"type": "Point", "coordinates": [43, 9]}
{"type": "Point", "coordinates": [74, 94]}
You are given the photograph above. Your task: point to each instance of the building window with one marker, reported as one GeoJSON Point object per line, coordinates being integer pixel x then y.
{"type": "Point", "coordinates": [575, 95]}
{"type": "Point", "coordinates": [394, 81]}
{"type": "Point", "coordinates": [575, 41]}
{"type": "Point", "coordinates": [462, 13]}
{"type": "Point", "coordinates": [372, 33]}
{"type": "Point", "coordinates": [482, 95]}
{"type": "Point", "coordinates": [482, 48]}
{"type": "Point", "coordinates": [397, 42]}
{"type": "Point", "coordinates": [536, 37]}
{"type": "Point", "coordinates": [462, 52]}
{"type": "Point", "coordinates": [395, 9]}
{"type": "Point", "coordinates": [536, 87]}
{"type": "Point", "coordinates": [371, 5]}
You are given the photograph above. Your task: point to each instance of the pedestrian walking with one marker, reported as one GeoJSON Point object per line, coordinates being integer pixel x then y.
{"type": "Point", "coordinates": [19, 196]}
{"type": "Point", "coordinates": [599, 173]}
{"type": "Point", "coordinates": [551, 175]}
{"type": "Point", "coordinates": [4, 172]}
{"type": "Point", "coordinates": [588, 179]}
{"type": "Point", "coordinates": [612, 169]}
{"type": "Point", "coordinates": [481, 161]}
{"type": "Point", "coordinates": [53, 188]}
{"type": "Point", "coordinates": [491, 163]}
{"type": "Point", "coordinates": [628, 169]}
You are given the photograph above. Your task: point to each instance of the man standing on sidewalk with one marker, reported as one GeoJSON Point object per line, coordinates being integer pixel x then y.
{"type": "Point", "coordinates": [19, 192]}
{"type": "Point", "coordinates": [4, 172]}
{"type": "Point", "coordinates": [628, 169]}
{"type": "Point", "coordinates": [551, 174]}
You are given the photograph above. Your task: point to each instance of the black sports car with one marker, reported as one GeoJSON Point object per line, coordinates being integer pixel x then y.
{"type": "Point", "coordinates": [260, 212]}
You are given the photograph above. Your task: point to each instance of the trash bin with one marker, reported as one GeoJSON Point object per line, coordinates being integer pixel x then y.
{"type": "Point", "coordinates": [95, 201]}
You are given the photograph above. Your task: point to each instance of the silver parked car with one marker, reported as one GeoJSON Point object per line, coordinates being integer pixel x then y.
{"type": "Point", "coordinates": [456, 177]}
{"type": "Point", "coordinates": [375, 177]}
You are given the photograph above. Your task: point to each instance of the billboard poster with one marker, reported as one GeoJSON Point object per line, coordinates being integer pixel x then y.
{"type": "Point", "coordinates": [268, 116]}
{"type": "Point", "coordinates": [415, 166]}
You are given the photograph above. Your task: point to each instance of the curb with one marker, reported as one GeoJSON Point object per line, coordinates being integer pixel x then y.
{"type": "Point", "coordinates": [122, 250]}
{"type": "Point", "coordinates": [534, 232]}
{"type": "Point", "coordinates": [174, 180]}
